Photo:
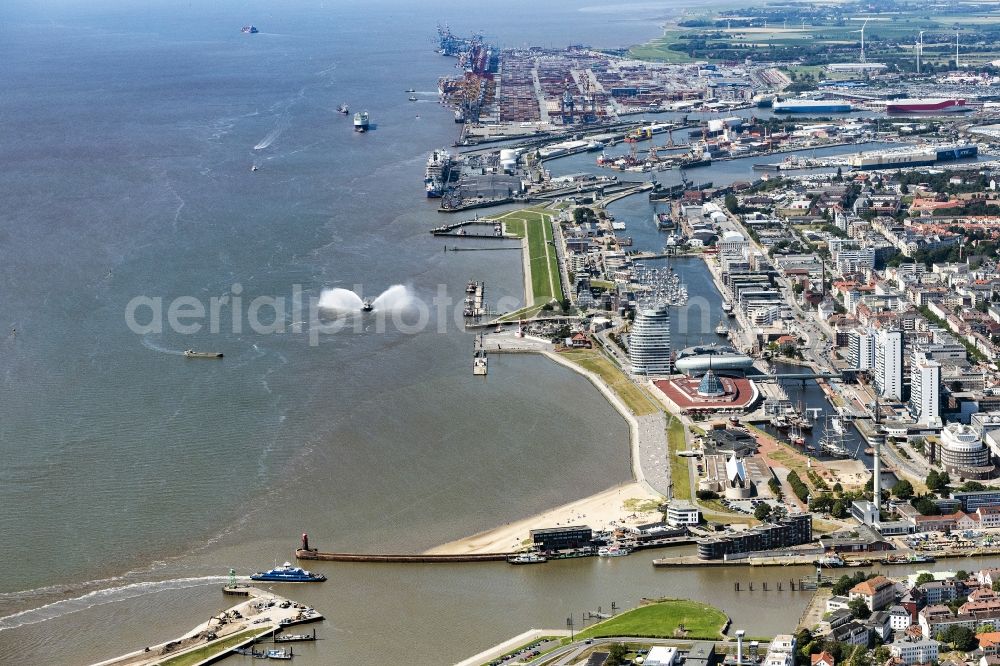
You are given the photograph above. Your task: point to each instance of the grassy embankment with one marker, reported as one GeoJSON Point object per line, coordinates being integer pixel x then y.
{"type": "Point", "coordinates": [634, 397]}
{"type": "Point", "coordinates": [535, 225]}
{"type": "Point", "coordinates": [664, 620]}
{"type": "Point", "coordinates": [206, 651]}
{"type": "Point", "coordinates": [680, 475]}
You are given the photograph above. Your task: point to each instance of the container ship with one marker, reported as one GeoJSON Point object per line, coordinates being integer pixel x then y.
{"type": "Point", "coordinates": [811, 106]}
{"type": "Point", "coordinates": [437, 173]}
{"type": "Point", "coordinates": [925, 156]}
{"type": "Point", "coordinates": [361, 121]}
{"type": "Point", "coordinates": [929, 105]}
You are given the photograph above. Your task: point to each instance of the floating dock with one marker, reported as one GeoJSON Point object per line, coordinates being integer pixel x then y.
{"type": "Point", "coordinates": [475, 301]}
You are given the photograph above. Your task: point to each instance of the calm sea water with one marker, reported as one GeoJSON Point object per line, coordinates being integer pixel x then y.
{"type": "Point", "coordinates": [133, 479]}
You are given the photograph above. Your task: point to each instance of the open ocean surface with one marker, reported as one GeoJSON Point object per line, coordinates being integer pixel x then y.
{"type": "Point", "coordinates": [133, 478]}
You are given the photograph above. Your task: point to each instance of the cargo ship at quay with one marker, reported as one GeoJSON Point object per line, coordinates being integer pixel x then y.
{"type": "Point", "coordinates": [927, 106]}
{"type": "Point", "coordinates": [811, 106]}
{"type": "Point", "coordinates": [437, 173]}
{"type": "Point", "coordinates": [917, 156]}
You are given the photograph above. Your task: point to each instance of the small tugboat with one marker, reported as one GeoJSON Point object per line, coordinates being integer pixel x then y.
{"type": "Point", "coordinates": [366, 305]}
{"type": "Point", "coordinates": [722, 328]}
{"type": "Point", "coordinates": [526, 558]}
{"type": "Point", "coordinates": [361, 121]}
{"type": "Point", "coordinates": [249, 30]}
{"type": "Point", "coordinates": [190, 353]}
{"type": "Point", "coordinates": [286, 573]}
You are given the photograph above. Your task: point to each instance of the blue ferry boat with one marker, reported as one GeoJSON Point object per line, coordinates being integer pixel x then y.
{"type": "Point", "coordinates": [286, 573]}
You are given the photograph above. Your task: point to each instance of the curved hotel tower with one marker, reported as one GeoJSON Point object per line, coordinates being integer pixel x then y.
{"type": "Point", "coordinates": [649, 341]}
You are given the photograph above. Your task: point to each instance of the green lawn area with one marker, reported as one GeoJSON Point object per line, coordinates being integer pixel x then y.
{"type": "Point", "coordinates": [535, 224]}
{"type": "Point", "coordinates": [662, 620]}
{"type": "Point", "coordinates": [713, 511]}
{"type": "Point", "coordinates": [633, 396]}
{"type": "Point", "coordinates": [680, 476]}
{"type": "Point", "coordinates": [657, 50]}
{"type": "Point", "coordinates": [207, 651]}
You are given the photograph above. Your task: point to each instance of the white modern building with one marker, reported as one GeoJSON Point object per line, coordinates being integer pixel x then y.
{"type": "Point", "coordinates": [915, 652]}
{"type": "Point", "coordinates": [732, 242]}
{"type": "Point", "coordinates": [861, 348]}
{"type": "Point", "coordinates": [889, 364]}
{"type": "Point", "coordinates": [649, 341]}
{"type": "Point", "coordinates": [925, 385]}
{"type": "Point", "coordinates": [781, 651]}
{"type": "Point", "coordinates": [661, 655]}
{"type": "Point", "coordinates": [960, 450]}
{"type": "Point", "coordinates": [855, 260]}
{"type": "Point", "coordinates": [682, 513]}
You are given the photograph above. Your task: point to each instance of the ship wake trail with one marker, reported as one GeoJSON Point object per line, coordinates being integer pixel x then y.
{"type": "Point", "coordinates": [269, 139]}
{"type": "Point", "coordinates": [149, 344]}
{"type": "Point", "coordinates": [106, 596]}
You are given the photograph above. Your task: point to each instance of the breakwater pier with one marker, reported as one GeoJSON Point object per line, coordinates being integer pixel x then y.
{"type": "Point", "coordinates": [259, 615]}
{"type": "Point", "coordinates": [312, 554]}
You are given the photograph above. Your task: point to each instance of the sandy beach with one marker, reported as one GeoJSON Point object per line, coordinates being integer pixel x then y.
{"type": "Point", "coordinates": [621, 505]}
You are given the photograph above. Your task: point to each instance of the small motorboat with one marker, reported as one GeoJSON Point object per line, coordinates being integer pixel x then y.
{"type": "Point", "coordinates": [286, 573]}
{"type": "Point", "coordinates": [366, 305]}
{"type": "Point", "coordinates": [254, 168]}
{"type": "Point", "coordinates": [280, 654]}
{"type": "Point", "coordinates": [343, 109]}
{"type": "Point", "coordinates": [190, 353]}
{"type": "Point", "coordinates": [412, 98]}
{"type": "Point", "coordinates": [409, 90]}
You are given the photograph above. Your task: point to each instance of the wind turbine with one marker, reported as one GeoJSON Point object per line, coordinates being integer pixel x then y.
{"type": "Point", "coordinates": [862, 31]}
{"type": "Point", "coordinates": [920, 49]}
